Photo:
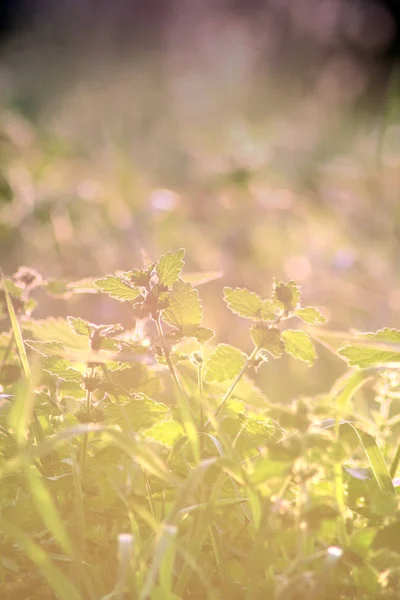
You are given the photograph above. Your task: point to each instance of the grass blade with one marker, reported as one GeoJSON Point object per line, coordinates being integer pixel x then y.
{"type": "Point", "coordinates": [59, 583]}
{"type": "Point", "coordinates": [374, 455]}
{"type": "Point", "coordinates": [47, 509]}
{"type": "Point", "coordinates": [17, 332]}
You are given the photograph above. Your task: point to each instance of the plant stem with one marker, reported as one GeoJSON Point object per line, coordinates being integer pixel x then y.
{"type": "Point", "coordinates": [168, 359]}
{"type": "Point", "coordinates": [84, 444]}
{"type": "Point", "coordinates": [235, 382]}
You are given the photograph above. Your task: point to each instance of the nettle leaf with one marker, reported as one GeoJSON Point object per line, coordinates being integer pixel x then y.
{"type": "Point", "coordinates": [268, 338]}
{"type": "Point", "coordinates": [118, 288]}
{"type": "Point", "coordinates": [141, 411]}
{"type": "Point", "coordinates": [299, 345]}
{"type": "Point", "coordinates": [310, 315]}
{"type": "Point", "coordinates": [60, 368]}
{"type": "Point", "coordinates": [364, 356]}
{"type": "Point", "coordinates": [184, 311]}
{"type": "Point", "coordinates": [255, 433]}
{"type": "Point", "coordinates": [55, 329]}
{"type": "Point", "coordinates": [288, 294]}
{"type": "Point", "coordinates": [140, 277]}
{"type": "Point", "coordinates": [268, 310]}
{"type": "Point", "coordinates": [169, 267]}
{"type": "Point", "coordinates": [224, 363]}
{"type": "Point", "coordinates": [46, 348]}
{"type": "Point", "coordinates": [80, 326]}
{"type": "Point", "coordinates": [202, 334]}
{"type": "Point", "coordinates": [166, 432]}
{"type": "Point", "coordinates": [242, 302]}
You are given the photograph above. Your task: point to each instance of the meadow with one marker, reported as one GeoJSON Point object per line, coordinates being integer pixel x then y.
{"type": "Point", "coordinates": [199, 352]}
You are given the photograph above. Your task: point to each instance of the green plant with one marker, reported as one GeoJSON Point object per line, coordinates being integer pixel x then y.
{"type": "Point", "coordinates": [147, 463]}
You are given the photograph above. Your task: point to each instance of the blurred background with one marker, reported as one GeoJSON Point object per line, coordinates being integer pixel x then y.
{"type": "Point", "coordinates": [261, 135]}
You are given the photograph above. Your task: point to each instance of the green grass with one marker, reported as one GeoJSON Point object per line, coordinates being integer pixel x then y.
{"type": "Point", "coordinates": [148, 464]}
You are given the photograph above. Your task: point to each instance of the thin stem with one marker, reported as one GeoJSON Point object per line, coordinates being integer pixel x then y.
{"type": "Point", "coordinates": [235, 382]}
{"type": "Point", "coordinates": [88, 390]}
{"type": "Point", "coordinates": [201, 416]}
{"type": "Point", "coordinates": [395, 463]}
{"type": "Point", "coordinates": [168, 359]}
{"type": "Point", "coordinates": [84, 444]}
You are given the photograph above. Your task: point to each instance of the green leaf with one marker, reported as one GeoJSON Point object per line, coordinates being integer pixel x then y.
{"type": "Point", "coordinates": [224, 363]}
{"type": "Point", "coordinates": [268, 310]}
{"type": "Point", "coordinates": [169, 267]}
{"type": "Point", "coordinates": [242, 302]}
{"type": "Point", "coordinates": [60, 368]}
{"type": "Point", "coordinates": [141, 410]}
{"type": "Point", "coordinates": [268, 338]}
{"type": "Point", "coordinates": [118, 288]}
{"type": "Point", "coordinates": [165, 432]}
{"type": "Point", "coordinates": [372, 452]}
{"type": "Point", "coordinates": [80, 326]}
{"type": "Point", "coordinates": [310, 315]}
{"type": "Point", "coordinates": [50, 329]}
{"type": "Point", "coordinates": [46, 348]}
{"type": "Point", "coordinates": [288, 294]}
{"type": "Point", "coordinates": [262, 470]}
{"type": "Point", "coordinates": [371, 350]}
{"type": "Point", "coordinates": [299, 345]}
{"type": "Point", "coordinates": [184, 310]}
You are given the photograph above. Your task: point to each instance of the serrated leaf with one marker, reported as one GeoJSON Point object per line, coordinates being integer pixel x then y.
{"type": "Point", "coordinates": [202, 334]}
{"type": "Point", "coordinates": [242, 302]}
{"type": "Point", "coordinates": [80, 326]}
{"type": "Point", "coordinates": [310, 315]}
{"type": "Point", "coordinates": [140, 277]}
{"type": "Point", "coordinates": [60, 368]}
{"type": "Point", "coordinates": [169, 267]}
{"type": "Point", "coordinates": [46, 348]}
{"type": "Point", "coordinates": [299, 345]}
{"type": "Point", "coordinates": [184, 308]}
{"type": "Point", "coordinates": [268, 310]}
{"type": "Point", "coordinates": [165, 432]}
{"type": "Point", "coordinates": [268, 338]}
{"type": "Point", "coordinates": [55, 329]}
{"type": "Point", "coordinates": [288, 294]}
{"type": "Point", "coordinates": [141, 410]}
{"type": "Point", "coordinates": [363, 355]}
{"type": "Point", "coordinates": [117, 288]}
{"type": "Point", "coordinates": [224, 363]}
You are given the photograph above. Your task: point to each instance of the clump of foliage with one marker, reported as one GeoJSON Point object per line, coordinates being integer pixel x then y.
{"type": "Point", "coordinates": [147, 464]}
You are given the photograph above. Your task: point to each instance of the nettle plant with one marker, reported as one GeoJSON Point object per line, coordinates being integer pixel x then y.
{"type": "Point", "coordinates": [147, 464]}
